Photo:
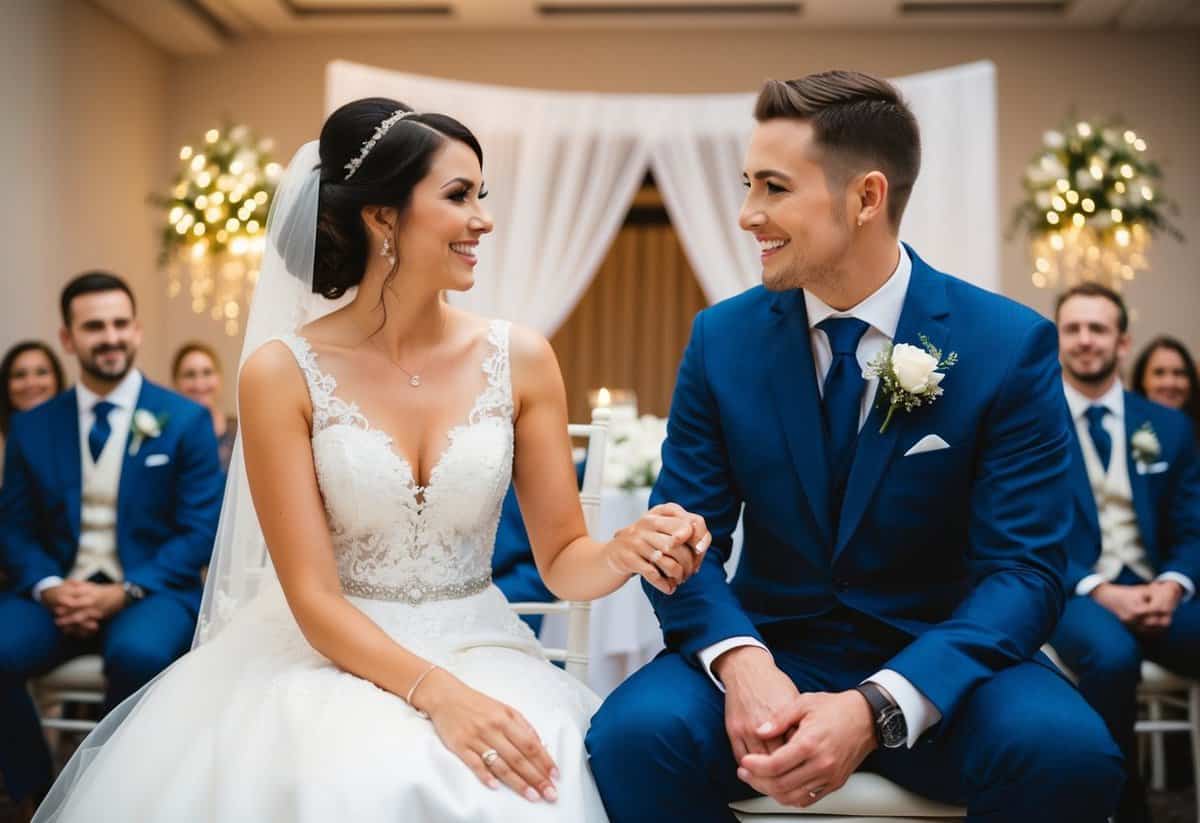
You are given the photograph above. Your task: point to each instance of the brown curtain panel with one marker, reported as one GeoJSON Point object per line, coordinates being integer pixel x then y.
{"type": "Point", "coordinates": [630, 329]}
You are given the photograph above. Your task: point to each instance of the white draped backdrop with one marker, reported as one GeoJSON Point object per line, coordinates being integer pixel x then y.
{"type": "Point", "coordinates": [563, 167]}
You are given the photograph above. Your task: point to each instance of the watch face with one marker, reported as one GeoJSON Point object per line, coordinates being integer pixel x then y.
{"type": "Point", "coordinates": [893, 731]}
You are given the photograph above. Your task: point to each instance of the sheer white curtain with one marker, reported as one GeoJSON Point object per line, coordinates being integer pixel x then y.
{"type": "Point", "coordinates": [563, 168]}
{"type": "Point", "coordinates": [951, 218]}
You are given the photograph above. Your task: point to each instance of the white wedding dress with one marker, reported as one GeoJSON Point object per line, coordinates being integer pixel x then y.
{"type": "Point", "coordinates": [255, 725]}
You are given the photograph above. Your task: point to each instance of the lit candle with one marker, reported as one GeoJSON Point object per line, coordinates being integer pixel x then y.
{"type": "Point", "coordinates": [603, 397]}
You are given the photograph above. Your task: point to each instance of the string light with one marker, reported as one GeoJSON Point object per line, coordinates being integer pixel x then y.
{"type": "Point", "coordinates": [1091, 205]}
{"type": "Point", "coordinates": [208, 253]}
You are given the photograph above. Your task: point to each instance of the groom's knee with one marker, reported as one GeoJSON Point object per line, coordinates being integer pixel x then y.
{"type": "Point", "coordinates": [1050, 744]}
{"type": "Point", "coordinates": [666, 717]}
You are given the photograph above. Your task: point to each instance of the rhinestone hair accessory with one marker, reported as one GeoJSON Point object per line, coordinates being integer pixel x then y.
{"type": "Point", "coordinates": [369, 144]}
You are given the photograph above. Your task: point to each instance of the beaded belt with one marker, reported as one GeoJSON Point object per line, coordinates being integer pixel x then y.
{"type": "Point", "coordinates": [414, 592]}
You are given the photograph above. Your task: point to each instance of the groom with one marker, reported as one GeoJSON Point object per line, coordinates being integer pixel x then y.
{"type": "Point", "coordinates": [898, 573]}
{"type": "Point", "coordinates": [108, 511]}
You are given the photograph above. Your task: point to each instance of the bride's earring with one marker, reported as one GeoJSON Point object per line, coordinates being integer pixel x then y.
{"type": "Point", "coordinates": [386, 251]}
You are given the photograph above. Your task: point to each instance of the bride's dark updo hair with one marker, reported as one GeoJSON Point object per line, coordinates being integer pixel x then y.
{"type": "Point", "coordinates": [386, 177]}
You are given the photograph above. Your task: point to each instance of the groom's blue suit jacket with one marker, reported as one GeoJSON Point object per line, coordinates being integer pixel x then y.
{"type": "Point", "coordinates": [1166, 496]}
{"type": "Point", "coordinates": [962, 548]}
{"type": "Point", "coordinates": [167, 511]}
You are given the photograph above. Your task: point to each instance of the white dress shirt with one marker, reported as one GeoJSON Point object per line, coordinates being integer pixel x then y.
{"type": "Point", "coordinates": [1120, 538]}
{"type": "Point", "coordinates": [881, 311]}
{"type": "Point", "coordinates": [100, 516]}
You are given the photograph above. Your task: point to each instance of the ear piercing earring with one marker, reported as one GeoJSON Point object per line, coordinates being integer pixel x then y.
{"type": "Point", "coordinates": [386, 251]}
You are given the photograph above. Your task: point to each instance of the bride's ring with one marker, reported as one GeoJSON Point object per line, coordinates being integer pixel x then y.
{"type": "Point", "coordinates": [656, 556]}
{"type": "Point", "coordinates": [814, 792]}
{"type": "Point", "coordinates": [490, 757]}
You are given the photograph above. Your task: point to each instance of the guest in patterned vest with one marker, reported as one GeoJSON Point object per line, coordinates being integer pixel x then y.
{"type": "Point", "coordinates": [1134, 551]}
{"type": "Point", "coordinates": [108, 511]}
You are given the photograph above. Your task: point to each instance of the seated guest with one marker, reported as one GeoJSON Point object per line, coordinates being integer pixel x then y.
{"type": "Point", "coordinates": [1166, 373]}
{"type": "Point", "coordinates": [1134, 551]}
{"type": "Point", "coordinates": [513, 569]}
{"type": "Point", "coordinates": [30, 374]}
{"type": "Point", "coordinates": [108, 510]}
{"type": "Point", "coordinates": [196, 374]}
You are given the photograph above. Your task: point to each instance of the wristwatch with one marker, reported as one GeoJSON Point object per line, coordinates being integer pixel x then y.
{"type": "Point", "coordinates": [133, 592]}
{"type": "Point", "coordinates": [890, 729]}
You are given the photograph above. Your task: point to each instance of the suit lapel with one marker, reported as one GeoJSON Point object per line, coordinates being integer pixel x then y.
{"type": "Point", "coordinates": [793, 380]}
{"type": "Point", "coordinates": [67, 459]}
{"type": "Point", "coordinates": [1139, 484]}
{"type": "Point", "coordinates": [925, 309]}
{"type": "Point", "coordinates": [1081, 486]}
{"type": "Point", "coordinates": [131, 465]}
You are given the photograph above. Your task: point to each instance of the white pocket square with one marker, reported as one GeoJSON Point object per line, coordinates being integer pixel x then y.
{"type": "Point", "coordinates": [928, 443]}
{"type": "Point", "coordinates": [1152, 468]}
{"type": "Point", "coordinates": [157, 460]}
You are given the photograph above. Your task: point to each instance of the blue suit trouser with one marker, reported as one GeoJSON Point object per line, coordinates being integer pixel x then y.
{"type": "Point", "coordinates": [1023, 746]}
{"type": "Point", "coordinates": [136, 643]}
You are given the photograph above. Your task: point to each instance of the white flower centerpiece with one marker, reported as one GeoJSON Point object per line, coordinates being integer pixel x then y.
{"type": "Point", "coordinates": [634, 456]}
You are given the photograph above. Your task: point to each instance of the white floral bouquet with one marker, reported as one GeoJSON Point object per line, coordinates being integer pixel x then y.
{"type": "Point", "coordinates": [634, 456]}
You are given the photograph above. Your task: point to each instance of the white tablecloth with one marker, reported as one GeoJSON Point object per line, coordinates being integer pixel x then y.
{"type": "Point", "coordinates": [624, 631]}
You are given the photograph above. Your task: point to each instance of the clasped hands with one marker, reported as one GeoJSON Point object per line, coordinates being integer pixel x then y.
{"type": "Point", "coordinates": [79, 606]}
{"type": "Point", "coordinates": [1146, 608]}
{"type": "Point", "coordinates": [794, 747]}
{"type": "Point", "coordinates": [666, 546]}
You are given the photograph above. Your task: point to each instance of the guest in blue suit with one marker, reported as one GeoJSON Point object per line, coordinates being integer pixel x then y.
{"type": "Point", "coordinates": [899, 569]}
{"type": "Point", "coordinates": [107, 513]}
{"type": "Point", "coordinates": [1134, 552]}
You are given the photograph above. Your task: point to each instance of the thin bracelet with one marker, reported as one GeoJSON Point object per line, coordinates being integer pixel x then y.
{"type": "Point", "coordinates": [413, 688]}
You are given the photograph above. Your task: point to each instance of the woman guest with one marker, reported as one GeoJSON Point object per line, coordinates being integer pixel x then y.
{"type": "Point", "coordinates": [1166, 373]}
{"type": "Point", "coordinates": [196, 373]}
{"type": "Point", "coordinates": [30, 374]}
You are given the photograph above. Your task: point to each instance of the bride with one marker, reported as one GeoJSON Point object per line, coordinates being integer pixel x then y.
{"type": "Point", "coordinates": [368, 670]}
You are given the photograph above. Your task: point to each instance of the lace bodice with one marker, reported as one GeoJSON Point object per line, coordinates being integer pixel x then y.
{"type": "Point", "coordinates": [393, 539]}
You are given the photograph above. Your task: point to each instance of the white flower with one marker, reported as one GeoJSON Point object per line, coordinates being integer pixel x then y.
{"type": "Point", "coordinates": [914, 368]}
{"type": "Point", "coordinates": [146, 424]}
{"type": "Point", "coordinates": [1144, 443]}
{"type": "Point", "coordinates": [1043, 199]}
{"type": "Point", "coordinates": [1053, 139]}
{"type": "Point", "coordinates": [1084, 180]}
{"type": "Point", "coordinates": [634, 456]}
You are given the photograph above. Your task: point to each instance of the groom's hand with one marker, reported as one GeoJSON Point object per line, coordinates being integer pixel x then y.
{"type": "Point", "coordinates": [833, 734]}
{"type": "Point", "coordinates": [755, 691]}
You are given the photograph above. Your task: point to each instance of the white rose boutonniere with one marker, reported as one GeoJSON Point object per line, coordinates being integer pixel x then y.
{"type": "Point", "coordinates": [145, 424]}
{"type": "Point", "coordinates": [908, 375]}
{"type": "Point", "coordinates": [1144, 444]}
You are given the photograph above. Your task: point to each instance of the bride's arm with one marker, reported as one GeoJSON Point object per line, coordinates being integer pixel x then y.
{"type": "Point", "coordinates": [274, 413]}
{"type": "Point", "coordinates": [574, 566]}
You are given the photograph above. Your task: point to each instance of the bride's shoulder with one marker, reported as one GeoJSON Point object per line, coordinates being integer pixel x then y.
{"type": "Point", "coordinates": [273, 367]}
{"type": "Point", "coordinates": [534, 367]}
{"type": "Point", "coordinates": [529, 349]}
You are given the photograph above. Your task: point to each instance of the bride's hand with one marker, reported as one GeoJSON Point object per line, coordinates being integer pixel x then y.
{"type": "Point", "coordinates": [666, 546]}
{"type": "Point", "coordinates": [473, 725]}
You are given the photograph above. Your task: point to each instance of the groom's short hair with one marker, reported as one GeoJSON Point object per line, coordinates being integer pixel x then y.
{"type": "Point", "coordinates": [861, 122]}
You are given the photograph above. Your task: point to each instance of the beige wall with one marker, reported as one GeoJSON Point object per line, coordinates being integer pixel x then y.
{"type": "Point", "coordinates": [82, 145]}
{"type": "Point", "coordinates": [1151, 79]}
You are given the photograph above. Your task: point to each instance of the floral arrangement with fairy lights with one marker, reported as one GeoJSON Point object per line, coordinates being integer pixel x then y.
{"type": "Point", "coordinates": [1092, 203]}
{"type": "Point", "coordinates": [216, 214]}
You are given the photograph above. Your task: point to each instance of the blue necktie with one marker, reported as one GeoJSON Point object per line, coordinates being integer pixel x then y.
{"type": "Point", "coordinates": [1101, 439]}
{"type": "Point", "coordinates": [98, 435]}
{"type": "Point", "coordinates": [841, 399]}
